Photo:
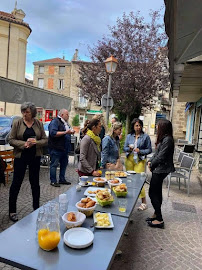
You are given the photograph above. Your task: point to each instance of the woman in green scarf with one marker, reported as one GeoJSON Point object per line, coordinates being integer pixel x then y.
{"type": "Point", "coordinates": [90, 150]}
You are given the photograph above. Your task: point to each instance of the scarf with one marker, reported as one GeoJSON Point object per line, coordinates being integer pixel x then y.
{"type": "Point", "coordinates": [95, 138]}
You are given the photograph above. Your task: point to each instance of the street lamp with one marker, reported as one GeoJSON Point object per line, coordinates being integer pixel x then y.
{"type": "Point", "coordinates": [110, 64]}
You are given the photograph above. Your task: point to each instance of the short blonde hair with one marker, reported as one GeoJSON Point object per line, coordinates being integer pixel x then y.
{"type": "Point", "coordinates": [114, 127]}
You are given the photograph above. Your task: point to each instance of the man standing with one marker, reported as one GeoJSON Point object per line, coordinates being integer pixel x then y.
{"type": "Point", "coordinates": [59, 143]}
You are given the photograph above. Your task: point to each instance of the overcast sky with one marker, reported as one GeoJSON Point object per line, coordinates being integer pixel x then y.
{"type": "Point", "coordinates": [61, 26]}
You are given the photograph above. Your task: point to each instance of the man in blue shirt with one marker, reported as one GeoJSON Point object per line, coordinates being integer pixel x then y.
{"type": "Point", "coordinates": [59, 144]}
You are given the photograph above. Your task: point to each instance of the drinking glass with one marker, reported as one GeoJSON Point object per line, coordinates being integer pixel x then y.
{"type": "Point", "coordinates": [122, 204]}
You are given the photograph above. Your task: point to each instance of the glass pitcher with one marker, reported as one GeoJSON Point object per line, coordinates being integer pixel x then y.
{"type": "Point", "coordinates": [49, 228]}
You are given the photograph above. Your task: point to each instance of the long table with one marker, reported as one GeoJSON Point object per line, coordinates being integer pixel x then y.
{"type": "Point", "coordinates": [19, 246]}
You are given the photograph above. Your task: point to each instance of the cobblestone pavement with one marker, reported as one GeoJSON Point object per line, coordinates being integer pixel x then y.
{"type": "Point", "coordinates": [178, 246]}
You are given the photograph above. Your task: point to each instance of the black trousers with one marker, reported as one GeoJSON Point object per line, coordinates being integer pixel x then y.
{"type": "Point", "coordinates": [20, 165]}
{"type": "Point", "coordinates": [155, 193]}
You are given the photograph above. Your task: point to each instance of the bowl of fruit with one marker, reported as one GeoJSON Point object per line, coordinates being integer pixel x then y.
{"type": "Point", "coordinates": [104, 197]}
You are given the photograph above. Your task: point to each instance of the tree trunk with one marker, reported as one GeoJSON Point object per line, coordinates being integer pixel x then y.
{"type": "Point", "coordinates": [127, 124]}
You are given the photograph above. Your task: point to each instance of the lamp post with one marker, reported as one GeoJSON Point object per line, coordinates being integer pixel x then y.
{"type": "Point", "coordinates": [110, 64]}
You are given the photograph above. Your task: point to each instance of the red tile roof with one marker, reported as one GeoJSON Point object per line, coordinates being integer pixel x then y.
{"type": "Point", "coordinates": [52, 61]}
{"type": "Point", "coordinates": [11, 18]}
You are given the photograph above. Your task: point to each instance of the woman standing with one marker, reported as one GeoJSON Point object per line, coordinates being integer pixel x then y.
{"type": "Point", "coordinates": [110, 146]}
{"type": "Point", "coordinates": [90, 149]}
{"type": "Point", "coordinates": [137, 146]}
{"type": "Point", "coordinates": [161, 164]}
{"type": "Point", "coordinates": [28, 137]}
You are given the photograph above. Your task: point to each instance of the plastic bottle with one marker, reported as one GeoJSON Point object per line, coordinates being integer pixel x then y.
{"type": "Point", "coordinates": [63, 204]}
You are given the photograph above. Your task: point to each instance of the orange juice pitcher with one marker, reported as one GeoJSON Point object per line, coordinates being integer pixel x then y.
{"type": "Point", "coordinates": [49, 230]}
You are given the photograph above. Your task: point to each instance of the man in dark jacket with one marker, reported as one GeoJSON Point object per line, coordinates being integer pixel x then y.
{"type": "Point", "coordinates": [59, 144]}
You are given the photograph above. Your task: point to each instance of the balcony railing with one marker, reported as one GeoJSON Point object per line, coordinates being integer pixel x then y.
{"type": "Point", "coordinates": [78, 105]}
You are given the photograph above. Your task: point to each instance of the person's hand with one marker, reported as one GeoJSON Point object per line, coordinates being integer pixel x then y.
{"type": "Point", "coordinates": [30, 142]}
{"type": "Point", "coordinates": [96, 173]}
{"type": "Point", "coordinates": [73, 131]}
{"type": "Point", "coordinates": [137, 150]}
{"type": "Point", "coordinates": [149, 165]}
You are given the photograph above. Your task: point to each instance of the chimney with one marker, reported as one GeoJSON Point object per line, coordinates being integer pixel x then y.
{"type": "Point", "coordinates": [75, 56]}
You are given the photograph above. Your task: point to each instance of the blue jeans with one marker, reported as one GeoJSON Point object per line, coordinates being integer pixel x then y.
{"type": "Point", "coordinates": [57, 157]}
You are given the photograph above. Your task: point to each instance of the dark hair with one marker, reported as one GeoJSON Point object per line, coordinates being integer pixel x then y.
{"type": "Point", "coordinates": [136, 120]}
{"type": "Point", "coordinates": [92, 123]}
{"type": "Point", "coordinates": [31, 106]}
{"type": "Point", "coordinates": [165, 128]}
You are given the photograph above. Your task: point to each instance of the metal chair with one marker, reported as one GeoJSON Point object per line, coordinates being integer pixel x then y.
{"type": "Point", "coordinates": [189, 148]}
{"type": "Point", "coordinates": [184, 172]}
{"type": "Point", "coordinates": [182, 141]}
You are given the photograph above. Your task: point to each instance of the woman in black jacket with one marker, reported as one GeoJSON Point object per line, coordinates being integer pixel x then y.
{"type": "Point", "coordinates": [161, 164]}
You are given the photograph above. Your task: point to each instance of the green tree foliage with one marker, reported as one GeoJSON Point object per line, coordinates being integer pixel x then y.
{"type": "Point", "coordinates": [135, 43]}
{"type": "Point", "coordinates": [75, 121]}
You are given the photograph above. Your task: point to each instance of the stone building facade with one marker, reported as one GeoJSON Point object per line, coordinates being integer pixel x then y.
{"type": "Point", "coordinates": [14, 33]}
{"type": "Point", "coordinates": [62, 76]}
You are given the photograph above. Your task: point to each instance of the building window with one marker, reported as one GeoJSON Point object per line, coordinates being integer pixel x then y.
{"type": "Point", "coordinates": [41, 70]}
{"type": "Point", "coordinates": [82, 100]}
{"type": "Point", "coordinates": [61, 70]}
{"type": "Point", "coordinates": [41, 83]}
{"type": "Point", "coordinates": [61, 84]}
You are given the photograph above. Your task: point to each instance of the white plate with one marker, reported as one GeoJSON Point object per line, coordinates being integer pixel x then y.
{"type": "Point", "coordinates": [117, 184]}
{"type": "Point", "coordinates": [78, 238]}
{"type": "Point", "coordinates": [106, 227]}
{"type": "Point", "coordinates": [131, 172]}
{"type": "Point", "coordinates": [104, 180]}
{"type": "Point", "coordinates": [93, 189]}
{"type": "Point", "coordinates": [86, 185]}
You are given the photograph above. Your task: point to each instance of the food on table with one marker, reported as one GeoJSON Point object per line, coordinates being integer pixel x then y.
{"type": "Point", "coordinates": [82, 205]}
{"type": "Point", "coordinates": [120, 174]}
{"type": "Point", "coordinates": [90, 204]}
{"type": "Point", "coordinates": [120, 190]}
{"type": "Point", "coordinates": [99, 179]}
{"type": "Point", "coordinates": [104, 195]}
{"type": "Point", "coordinates": [93, 192]}
{"type": "Point", "coordinates": [48, 240]}
{"type": "Point", "coordinates": [115, 181]}
{"type": "Point", "coordinates": [86, 200]}
{"type": "Point", "coordinates": [71, 217]}
{"type": "Point", "coordinates": [102, 219]}
{"type": "Point", "coordinates": [86, 203]}
{"type": "Point", "coordinates": [121, 187]}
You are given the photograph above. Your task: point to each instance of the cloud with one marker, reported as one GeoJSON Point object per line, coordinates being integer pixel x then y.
{"type": "Point", "coordinates": [29, 76]}
{"type": "Point", "coordinates": [64, 25]}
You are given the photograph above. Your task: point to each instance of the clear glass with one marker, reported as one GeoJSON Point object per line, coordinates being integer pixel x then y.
{"type": "Point", "coordinates": [122, 205]}
{"type": "Point", "coordinates": [48, 226]}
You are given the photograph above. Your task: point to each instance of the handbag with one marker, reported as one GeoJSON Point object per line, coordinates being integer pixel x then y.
{"type": "Point", "coordinates": [77, 149]}
{"type": "Point", "coordinates": [115, 166]}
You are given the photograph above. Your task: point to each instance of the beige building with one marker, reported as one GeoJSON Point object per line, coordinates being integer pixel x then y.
{"type": "Point", "coordinates": [62, 76]}
{"type": "Point", "coordinates": [14, 33]}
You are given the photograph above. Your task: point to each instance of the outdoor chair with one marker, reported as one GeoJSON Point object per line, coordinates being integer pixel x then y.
{"type": "Point", "coordinates": [180, 157]}
{"type": "Point", "coordinates": [182, 141]}
{"type": "Point", "coordinates": [184, 172]}
{"type": "Point", "coordinates": [189, 148]}
{"type": "Point", "coordinates": [9, 158]}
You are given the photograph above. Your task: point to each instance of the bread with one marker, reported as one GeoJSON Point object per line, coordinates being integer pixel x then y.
{"type": "Point", "coordinates": [71, 217]}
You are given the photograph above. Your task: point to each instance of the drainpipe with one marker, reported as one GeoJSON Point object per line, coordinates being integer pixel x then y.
{"type": "Point", "coordinates": [8, 51]}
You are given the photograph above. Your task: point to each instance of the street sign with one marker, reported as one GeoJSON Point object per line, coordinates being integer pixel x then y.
{"type": "Point", "coordinates": [104, 102]}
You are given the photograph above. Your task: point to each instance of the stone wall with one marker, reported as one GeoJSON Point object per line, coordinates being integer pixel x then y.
{"type": "Point", "coordinates": [178, 119]}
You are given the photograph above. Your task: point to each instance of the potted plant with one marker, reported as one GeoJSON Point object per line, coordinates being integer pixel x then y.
{"type": "Point", "coordinates": [75, 123]}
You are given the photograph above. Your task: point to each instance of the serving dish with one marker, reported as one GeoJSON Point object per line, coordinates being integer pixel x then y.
{"type": "Point", "coordinates": [103, 227]}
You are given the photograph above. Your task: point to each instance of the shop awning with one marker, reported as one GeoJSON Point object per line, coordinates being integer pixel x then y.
{"type": "Point", "coordinates": [93, 112]}
{"type": "Point", "coordinates": [183, 24]}
{"type": "Point", "coordinates": [16, 92]}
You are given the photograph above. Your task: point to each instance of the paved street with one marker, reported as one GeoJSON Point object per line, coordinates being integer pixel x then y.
{"type": "Point", "coordinates": [178, 246]}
